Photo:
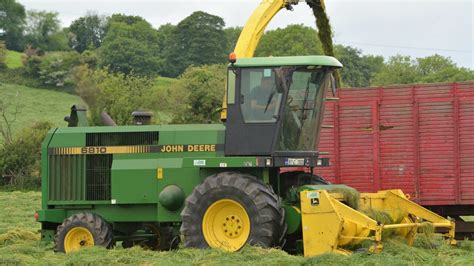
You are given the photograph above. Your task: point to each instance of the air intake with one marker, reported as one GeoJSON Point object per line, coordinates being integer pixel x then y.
{"type": "Point", "coordinates": [122, 138]}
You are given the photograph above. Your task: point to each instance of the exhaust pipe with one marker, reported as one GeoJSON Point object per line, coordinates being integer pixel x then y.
{"type": "Point", "coordinates": [107, 120]}
{"type": "Point", "coordinates": [141, 118]}
{"type": "Point", "coordinates": [77, 118]}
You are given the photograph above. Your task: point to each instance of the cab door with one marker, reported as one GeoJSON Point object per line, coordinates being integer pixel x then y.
{"type": "Point", "coordinates": [253, 105]}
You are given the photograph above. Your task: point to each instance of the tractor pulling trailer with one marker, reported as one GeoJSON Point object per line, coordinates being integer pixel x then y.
{"type": "Point", "coordinates": [220, 185]}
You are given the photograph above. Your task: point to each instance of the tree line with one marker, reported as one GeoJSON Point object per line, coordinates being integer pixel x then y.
{"type": "Point", "coordinates": [129, 44]}
{"type": "Point", "coordinates": [117, 63]}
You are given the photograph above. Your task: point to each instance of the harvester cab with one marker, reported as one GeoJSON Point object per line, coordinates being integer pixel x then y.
{"type": "Point", "coordinates": [275, 108]}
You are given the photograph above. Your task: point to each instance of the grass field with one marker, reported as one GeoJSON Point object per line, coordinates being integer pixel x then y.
{"type": "Point", "coordinates": [19, 245]}
{"type": "Point", "coordinates": [13, 59]}
{"type": "Point", "coordinates": [41, 104]}
{"type": "Point", "coordinates": [37, 104]}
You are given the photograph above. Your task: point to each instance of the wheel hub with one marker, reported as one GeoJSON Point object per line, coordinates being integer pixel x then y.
{"type": "Point", "coordinates": [232, 226]}
{"type": "Point", "coordinates": [76, 238]}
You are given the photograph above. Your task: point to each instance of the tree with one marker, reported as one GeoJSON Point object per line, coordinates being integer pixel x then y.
{"type": "Point", "coordinates": [3, 54]}
{"type": "Point", "coordinates": [290, 41]}
{"type": "Point", "coordinates": [12, 21]}
{"type": "Point", "coordinates": [436, 68]}
{"type": "Point", "coordinates": [448, 74]}
{"type": "Point", "coordinates": [116, 93]}
{"type": "Point", "coordinates": [20, 158]}
{"type": "Point", "coordinates": [55, 68]}
{"type": "Point", "coordinates": [232, 35]}
{"type": "Point", "coordinates": [197, 96]}
{"type": "Point", "coordinates": [131, 48]}
{"type": "Point", "coordinates": [8, 116]}
{"type": "Point", "coordinates": [43, 31]}
{"type": "Point", "coordinates": [88, 32]}
{"type": "Point", "coordinates": [432, 64]}
{"type": "Point", "coordinates": [59, 41]}
{"type": "Point", "coordinates": [121, 18]}
{"type": "Point", "coordinates": [198, 40]}
{"type": "Point", "coordinates": [358, 70]}
{"type": "Point", "coordinates": [165, 37]}
{"type": "Point", "coordinates": [373, 63]}
{"type": "Point", "coordinates": [398, 70]}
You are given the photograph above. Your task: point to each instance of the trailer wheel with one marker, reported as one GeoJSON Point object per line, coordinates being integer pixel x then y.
{"type": "Point", "coordinates": [82, 230]}
{"type": "Point", "coordinates": [229, 210]}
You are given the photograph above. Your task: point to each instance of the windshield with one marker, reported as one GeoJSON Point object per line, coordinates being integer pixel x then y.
{"type": "Point", "coordinates": [302, 115]}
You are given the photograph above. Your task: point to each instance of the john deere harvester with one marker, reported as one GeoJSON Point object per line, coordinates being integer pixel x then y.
{"type": "Point", "coordinates": [218, 185]}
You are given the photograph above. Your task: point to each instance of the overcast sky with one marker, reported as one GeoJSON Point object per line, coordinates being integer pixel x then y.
{"type": "Point", "coordinates": [383, 27]}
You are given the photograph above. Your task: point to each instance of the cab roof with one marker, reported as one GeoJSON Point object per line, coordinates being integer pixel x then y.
{"type": "Point", "coordinates": [314, 60]}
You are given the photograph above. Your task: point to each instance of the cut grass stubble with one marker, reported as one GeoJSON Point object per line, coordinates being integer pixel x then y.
{"type": "Point", "coordinates": [19, 244]}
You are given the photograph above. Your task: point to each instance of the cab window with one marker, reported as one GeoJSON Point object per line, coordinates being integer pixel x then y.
{"type": "Point", "coordinates": [260, 99]}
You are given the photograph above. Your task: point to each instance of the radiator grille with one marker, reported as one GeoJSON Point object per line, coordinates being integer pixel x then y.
{"type": "Point", "coordinates": [66, 177]}
{"type": "Point", "coordinates": [122, 138]}
{"type": "Point", "coordinates": [98, 177]}
{"type": "Point", "coordinates": [79, 177]}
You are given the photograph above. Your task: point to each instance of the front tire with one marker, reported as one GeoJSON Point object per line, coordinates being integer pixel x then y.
{"type": "Point", "coordinates": [82, 230]}
{"type": "Point", "coordinates": [229, 210]}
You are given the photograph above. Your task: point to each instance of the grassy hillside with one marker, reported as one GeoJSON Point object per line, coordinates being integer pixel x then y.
{"type": "Point", "coordinates": [37, 104]}
{"type": "Point", "coordinates": [13, 59]}
{"type": "Point", "coordinates": [41, 104]}
{"type": "Point", "coordinates": [164, 82]}
{"type": "Point", "coordinates": [19, 245]}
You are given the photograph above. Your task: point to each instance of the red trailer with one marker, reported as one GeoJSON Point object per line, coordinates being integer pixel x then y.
{"type": "Point", "coordinates": [419, 138]}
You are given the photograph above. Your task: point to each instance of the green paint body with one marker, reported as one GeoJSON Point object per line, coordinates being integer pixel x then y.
{"type": "Point", "coordinates": [147, 186]}
{"type": "Point", "coordinates": [135, 186]}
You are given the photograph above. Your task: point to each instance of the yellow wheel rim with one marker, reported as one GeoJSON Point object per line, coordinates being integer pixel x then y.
{"type": "Point", "coordinates": [226, 225]}
{"type": "Point", "coordinates": [76, 238]}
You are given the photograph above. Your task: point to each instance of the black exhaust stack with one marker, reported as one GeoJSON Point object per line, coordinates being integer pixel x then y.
{"type": "Point", "coordinates": [142, 118]}
{"type": "Point", "coordinates": [77, 118]}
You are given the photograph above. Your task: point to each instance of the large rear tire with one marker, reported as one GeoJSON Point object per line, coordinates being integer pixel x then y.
{"type": "Point", "coordinates": [82, 230]}
{"type": "Point", "coordinates": [229, 210]}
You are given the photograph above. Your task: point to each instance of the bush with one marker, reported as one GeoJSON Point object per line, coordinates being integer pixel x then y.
{"type": "Point", "coordinates": [89, 58]}
{"type": "Point", "coordinates": [3, 55]}
{"type": "Point", "coordinates": [20, 159]}
{"type": "Point", "coordinates": [197, 96]}
{"type": "Point", "coordinates": [55, 67]}
{"type": "Point", "coordinates": [22, 77]}
{"type": "Point", "coordinates": [31, 60]}
{"type": "Point", "coordinates": [116, 93]}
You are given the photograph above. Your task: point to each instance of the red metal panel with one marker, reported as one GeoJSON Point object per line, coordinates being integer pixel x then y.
{"type": "Point", "coordinates": [356, 145]}
{"type": "Point", "coordinates": [419, 138]}
{"type": "Point", "coordinates": [466, 149]}
{"type": "Point", "coordinates": [437, 152]}
{"type": "Point", "coordinates": [328, 143]}
{"type": "Point", "coordinates": [397, 146]}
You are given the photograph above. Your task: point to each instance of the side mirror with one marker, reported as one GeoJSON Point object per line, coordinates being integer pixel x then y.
{"type": "Point", "coordinates": [333, 85]}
